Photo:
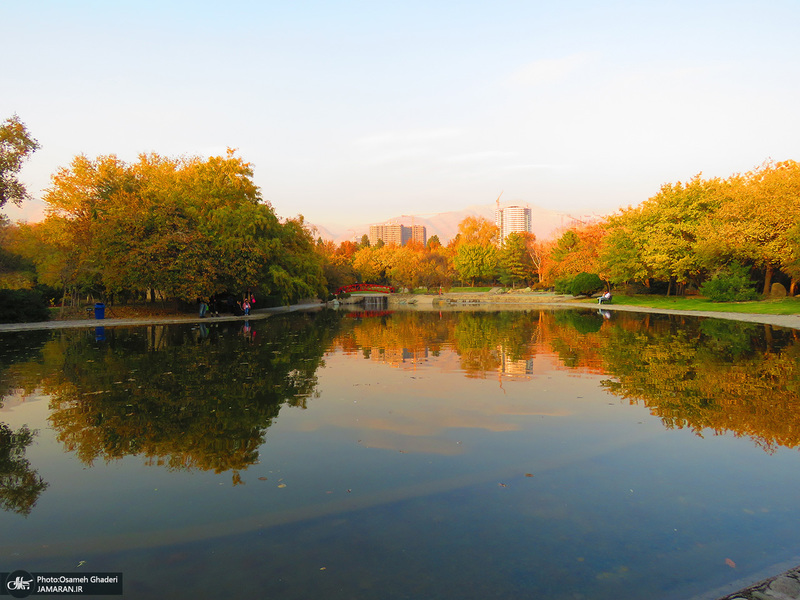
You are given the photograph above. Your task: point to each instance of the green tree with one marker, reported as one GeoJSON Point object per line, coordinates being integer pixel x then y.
{"type": "Point", "coordinates": [476, 262]}
{"type": "Point", "coordinates": [16, 146]}
{"type": "Point", "coordinates": [514, 260]}
{"type": "Point", "coordinates": [730, 284]}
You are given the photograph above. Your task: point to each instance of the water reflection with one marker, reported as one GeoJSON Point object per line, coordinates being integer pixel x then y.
{"type": "Point", "coordinates": [185, 398]}
{"type": "Point", "coordinates": [702, 374]}
{"type": "Point", "coordinates": [204, 397]}
{"type": "Point", "coordinates": [454, 455]}
{"type": "Point", "coordinates": [20, 485]}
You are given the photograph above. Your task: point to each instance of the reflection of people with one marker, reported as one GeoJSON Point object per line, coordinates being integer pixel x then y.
{"type": "Point", "coordinates": [604, 298]}
{"type": "Point", "coordinates": [606, 313]}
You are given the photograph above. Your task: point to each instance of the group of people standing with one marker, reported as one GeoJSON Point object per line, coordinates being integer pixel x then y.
{"type": "Point", "coordinates": [238, 308]}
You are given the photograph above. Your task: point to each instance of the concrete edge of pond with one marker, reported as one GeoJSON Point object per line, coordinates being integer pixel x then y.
{"type": "Point", "coordinates": [790, 321]}
{"type": "Point", "coordinates": [784, 586]}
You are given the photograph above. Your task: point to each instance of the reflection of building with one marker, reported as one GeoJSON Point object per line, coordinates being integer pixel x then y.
{"type": "Point", "coordinates": [519, 368]}
{"type": "Point", "coordinates": [394, 233]}
{"type": "Point", "coordinates": [512, 219]}
{"type": "Point", "coordinates": [398, 356]}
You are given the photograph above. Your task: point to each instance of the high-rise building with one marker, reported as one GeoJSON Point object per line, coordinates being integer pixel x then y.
{"type": "Point", "coordinates": [512, 219]}
{"type": "Point", "coordinates": [419, 234]}
{"type": "Point", "coordinates": [394, 233]}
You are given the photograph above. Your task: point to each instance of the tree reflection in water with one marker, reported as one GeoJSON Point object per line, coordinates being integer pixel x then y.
{"type": "Point", "coordinates": [185, 398]}
{"type": "Point", "coordinates": [204, 397]}
{"type": "Point", "coordinates": [704, 374]}
{"type": "Point", "coordinates": [20, 486]}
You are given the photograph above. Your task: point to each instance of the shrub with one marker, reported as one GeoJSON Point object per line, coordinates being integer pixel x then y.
{"type": "Point", "coordinates": [731, 284]}
{"type": "Point", "coordinates": [585, 284]}
{"type": "Point", "coordinates": [22, 306]}
{"type": "Point", "coordinates": [563, 285]}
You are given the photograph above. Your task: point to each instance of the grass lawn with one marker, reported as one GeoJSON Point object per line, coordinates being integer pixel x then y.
{"type": "Point", "coordinates": [786, 306]}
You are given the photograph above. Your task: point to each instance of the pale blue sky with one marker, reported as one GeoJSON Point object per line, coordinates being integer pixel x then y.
{"type": "Point", "coordinates": [359, 111]}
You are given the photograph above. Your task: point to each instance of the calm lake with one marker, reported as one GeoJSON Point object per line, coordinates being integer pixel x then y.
{"type": "Point", "coordinates": [421, 455]}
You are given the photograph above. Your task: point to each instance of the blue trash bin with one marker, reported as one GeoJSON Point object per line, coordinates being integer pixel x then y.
{"type": "Point", "coordinates": [99, 311]}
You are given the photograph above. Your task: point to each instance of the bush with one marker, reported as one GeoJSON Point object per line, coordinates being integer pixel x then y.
{"type": "Point", "coordinates": [585, 284]}
{"type": "Point", "coordinates": [22, 306]}
{"type": "Point", "coordinates": [563, 285]}
{"type": "Point", "coordinates": [731, 284]}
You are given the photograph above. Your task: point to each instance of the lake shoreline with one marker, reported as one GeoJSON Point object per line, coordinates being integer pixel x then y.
{"type": "Point", "coordinates": [451, 301]}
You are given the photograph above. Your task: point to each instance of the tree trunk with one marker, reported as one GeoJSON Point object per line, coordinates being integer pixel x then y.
{"type": "Point", "coordinates": [63, 298]}
{"type": "Point", "coordinates": [793, 286]}
{"type": "Point", "coordinates": [767, 280]}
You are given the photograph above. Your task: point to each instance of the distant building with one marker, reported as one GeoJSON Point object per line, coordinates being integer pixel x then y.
{"type": "Point", "coordinates": [512, 219]}
{"type": "Point", "coordinates": [419, 234]}
{"type": "Point", "coordinates": [394, 233]}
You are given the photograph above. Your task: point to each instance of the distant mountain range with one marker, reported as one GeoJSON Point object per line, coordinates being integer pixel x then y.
{"type": "Point", "coordinates": [546, 224]}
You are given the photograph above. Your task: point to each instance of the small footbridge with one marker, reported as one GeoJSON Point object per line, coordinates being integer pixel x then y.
{"type": "Point", "coordinates": [365, 287]}
{"type": "Point", "coordinates": [372, 303]}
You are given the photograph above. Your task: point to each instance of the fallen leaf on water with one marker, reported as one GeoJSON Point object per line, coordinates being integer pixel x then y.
{"type": "Point", "coordinates": [262, 478]}
{"type": "Point", "coordinates": [502, 485]}
{"type": "Point", "coordinates": [323, 568]}
{"type": "Point", "coordinates": [281, 485]}
{"type": "Point", "coordinates": [730, 563]}
{"type": "Point", "coordinates": [528, 474]}
{"type": "Point", "coordinates": [80, 564]}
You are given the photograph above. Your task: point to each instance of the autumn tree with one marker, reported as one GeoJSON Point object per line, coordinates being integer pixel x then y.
{"type": "Point", "coordinates": [435, 268]}
{"type": "Point", "coordinates": [186, 227]}
{"type": "Point", "coordinates": [477, 230]}
{"type": "Point", "coordinates": [755, 220]}
{"type": "Point", "coordinates": [16, 146]}
{"type": "Point", "coordinates": [576, 251]}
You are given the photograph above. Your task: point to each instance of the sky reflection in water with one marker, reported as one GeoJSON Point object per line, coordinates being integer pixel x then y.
{"type": "Point", "coordinates": [453, 455]}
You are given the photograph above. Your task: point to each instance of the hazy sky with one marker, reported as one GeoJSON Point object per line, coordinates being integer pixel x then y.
{"type": "Point", "coordinates": [361, 111]}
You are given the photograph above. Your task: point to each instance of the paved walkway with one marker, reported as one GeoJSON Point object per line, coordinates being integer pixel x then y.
{"type": "Point", "coordinates": [255, 315]}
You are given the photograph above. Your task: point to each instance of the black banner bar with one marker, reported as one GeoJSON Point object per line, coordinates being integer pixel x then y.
{"type": "Point", "coordinates": [21, 584]}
